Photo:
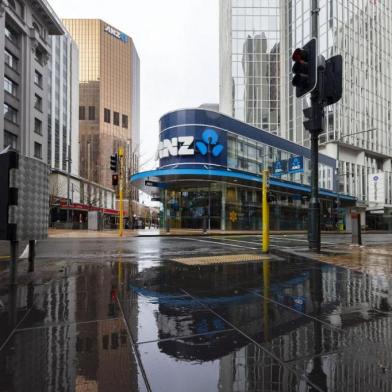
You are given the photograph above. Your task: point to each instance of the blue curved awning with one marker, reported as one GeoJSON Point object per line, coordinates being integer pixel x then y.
{"type": "Point", "coordinates": [137, 178]}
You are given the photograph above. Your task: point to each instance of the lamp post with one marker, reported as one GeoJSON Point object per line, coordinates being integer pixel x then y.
{"type": "Point", "coordinates": [338, 142]}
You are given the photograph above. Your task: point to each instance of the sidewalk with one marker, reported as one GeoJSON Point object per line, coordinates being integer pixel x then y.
{"type": "Point", "coordinates": [63, 233]}
{"type": "Point", "coordinates": [375, 259]}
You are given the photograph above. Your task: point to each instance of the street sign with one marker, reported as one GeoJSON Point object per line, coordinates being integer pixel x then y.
{"type": "Point", "coordinates": [296, 165]}
{"type": "Point", "coordinates": [279, 168]}
{"type": "Point", "coordinates": [151, 183]}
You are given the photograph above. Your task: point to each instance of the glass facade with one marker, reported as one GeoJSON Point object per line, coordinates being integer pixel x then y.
{"type": "Point", "coordinates": [257, 40]}
{"type": "Point", "coordinates": [222, 191]}
{"type": "Point", "coordinates": [107, 85]}
{"type": "Point", "coordinates": [255, 62]}
{"type": "Point", "coordinates": [248, 155]}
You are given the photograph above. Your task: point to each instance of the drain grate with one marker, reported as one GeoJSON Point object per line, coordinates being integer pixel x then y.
{"type": "Point", "coordinates": [221, 259]}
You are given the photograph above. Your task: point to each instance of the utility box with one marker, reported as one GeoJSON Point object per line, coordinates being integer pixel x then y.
{"type": "Point", "coordinates": [95, 220]}
{"type": "Point", "coordinates": [24, 194]}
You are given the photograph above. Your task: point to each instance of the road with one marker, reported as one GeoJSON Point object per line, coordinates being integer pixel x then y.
{"type": "Point", "coordinates": [123, 315]}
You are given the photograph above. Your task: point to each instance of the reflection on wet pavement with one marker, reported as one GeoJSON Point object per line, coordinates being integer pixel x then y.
{"type": "Point", "coordinates": [135, 321]}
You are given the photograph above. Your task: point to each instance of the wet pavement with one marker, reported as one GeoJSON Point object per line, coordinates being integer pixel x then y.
{"type": "Point", "coordinates": [121, 315]}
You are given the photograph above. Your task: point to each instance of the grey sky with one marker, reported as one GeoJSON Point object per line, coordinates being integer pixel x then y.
{"type": "Point", "coordinates": [177, 42]}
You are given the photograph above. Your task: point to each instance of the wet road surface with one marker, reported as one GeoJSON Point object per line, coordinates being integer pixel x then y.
{"type": "Point", "coordinates": [120, 315]}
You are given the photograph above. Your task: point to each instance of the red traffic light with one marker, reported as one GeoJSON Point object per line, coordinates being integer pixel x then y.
{"type": "Point", "coordinates": [300, 55]}
{"type": "Point", "coordinates": [114, 179]}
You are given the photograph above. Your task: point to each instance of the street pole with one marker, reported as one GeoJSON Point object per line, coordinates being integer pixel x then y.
{"type": "Point", "coordinates": [265, 212]}
{"type": "Point", "coordinates": [317, 109]}
{"type": "Point", "coordinates": [120, 158]}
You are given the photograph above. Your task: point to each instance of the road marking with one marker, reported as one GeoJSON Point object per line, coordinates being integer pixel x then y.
{"type": "Point", "coordinates": [25, 253]}
{"type": "Point", "coordinates": [219, 243]}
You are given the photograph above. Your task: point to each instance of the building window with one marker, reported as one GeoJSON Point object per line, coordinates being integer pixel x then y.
{"type": "Point", "coordinates": [11, 60]}
{"type": "Point", "coordinates": [124, 121]}
{"type": "Point", "coordinates": [38, 126]}
{"type": "Point", "coordinates": [10, 113]}
{"type": "Point", "coordinates": [38, 79]}
{"type": "Point", "coordinates": [116, 118]}
{"type": "Point", "coordinates": [38, 102]}
{"type": "Point", "coordinates": [106, 115]}
{"type": "Point", "coordinates": [10, 140]}
{"type": "Point", "coordinates": [12, 35]}
{"type": "Point", "coordinates": [10, 86]}
{"type": "Point", "coordinates": [37, 150]}
{"type": "Point", "coordinates": [39, 57]}
{"type": "Point", "coordinates": [91, 112]}
{"type": "Point", "coordinates": [82, 113]}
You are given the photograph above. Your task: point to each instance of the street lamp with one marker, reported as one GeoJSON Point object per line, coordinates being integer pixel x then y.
{"type": "Point", "coordinates": [338, 142]}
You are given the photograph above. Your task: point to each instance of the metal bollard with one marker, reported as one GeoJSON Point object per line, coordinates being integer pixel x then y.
{"type": "Point", "coordinates": [356, 228]}
{"type": "Point", "coordinates": [204, 225]}
{"type": "Point", "coordinates": [167, 225]}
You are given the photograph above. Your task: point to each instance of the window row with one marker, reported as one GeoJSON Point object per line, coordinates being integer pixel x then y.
{"type": "Point", "coordinates": [116, 118]}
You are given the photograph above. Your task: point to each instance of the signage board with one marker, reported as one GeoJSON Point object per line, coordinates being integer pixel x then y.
{"type": "Point", "coordinates": [376, 183]}
{"type": "Point", "coordinates": [196, 144]}
{"type": "Point", "coordinates": [151, 183]}
{"type": "Point", "coordinates": [115, 33]}
{"type": "Point", "coordinates": [279, 168]}
{"type": "Point", "coordinates": [296, 164]}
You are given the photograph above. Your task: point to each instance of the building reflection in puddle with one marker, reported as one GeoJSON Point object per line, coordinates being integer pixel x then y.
{"type": "Point", "coordinates": [286, 309]}
{"type": "Point", "coordinates": [69, 334]}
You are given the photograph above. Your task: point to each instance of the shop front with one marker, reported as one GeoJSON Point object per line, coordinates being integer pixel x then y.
{"type": "Point", "coordinates": [210, 175]}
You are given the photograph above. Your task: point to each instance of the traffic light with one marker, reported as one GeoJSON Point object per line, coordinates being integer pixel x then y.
{"type": "Point", "coordinates": [8, 194]}
{"type": "Point", "coordinates": [333, 85]}
{"type": "Point", "coordinates": [305, 68]}
{"type": "Point", "coordinates": [113, 162]}
{"type": "Point", "coordinates": [314, 117]}
{"type": "Point", "coordinates": [114, 179]}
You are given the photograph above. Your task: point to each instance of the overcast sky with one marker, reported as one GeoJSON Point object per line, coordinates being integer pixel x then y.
{"type": "Point", "coordinates": [177, 42]}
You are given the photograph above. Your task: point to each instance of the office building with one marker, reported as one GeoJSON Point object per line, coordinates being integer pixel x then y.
{"type": "Point", "coordinates": [256, 41]}
{"type": "Point", "coordinates": [25, 30]}
{"type": "Point", "coordinates": [210, 175]}
{"type": "Point", "coordinates": [63, 94]}
{"type": "Point", "coordinates": [108, 99]}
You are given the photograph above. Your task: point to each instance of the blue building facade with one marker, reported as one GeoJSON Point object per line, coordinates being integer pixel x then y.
{"type": "Point", "coordinates": [210, 169]}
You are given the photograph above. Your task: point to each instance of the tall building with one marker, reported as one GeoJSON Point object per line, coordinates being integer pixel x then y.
{"type": "Point", "coordinates": [25, 30]}
{"type": "Point", "coordinates": [109, 97]}
{"type": "Point", "coordinates": [63, 94]}
{"type": "Point", "coordinates": [256, 42]}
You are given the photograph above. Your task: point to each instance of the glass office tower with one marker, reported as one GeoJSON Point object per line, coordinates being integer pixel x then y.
{"type": "Point", "coordinates": [257, 38]}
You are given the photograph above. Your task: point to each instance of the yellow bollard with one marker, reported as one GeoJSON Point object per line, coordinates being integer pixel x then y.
{"type": "Point", "coordinates": [265, 212]}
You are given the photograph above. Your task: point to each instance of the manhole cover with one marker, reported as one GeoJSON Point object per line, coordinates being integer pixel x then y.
{"type": "Point", "coordinates": [223, 259]}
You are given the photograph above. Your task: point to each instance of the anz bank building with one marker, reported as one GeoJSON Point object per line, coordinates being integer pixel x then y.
{"type": "Point", "coordinates": [210, 170]}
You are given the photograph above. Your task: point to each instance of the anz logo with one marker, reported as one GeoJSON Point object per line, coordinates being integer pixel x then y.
{"type": "Point", "coordinates": [184, 145]}
{"type": "Point", "coordinates": [115, 33]}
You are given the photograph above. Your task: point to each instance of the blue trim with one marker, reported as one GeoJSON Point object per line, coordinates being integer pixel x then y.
{"type": "Point", "coordinates": [203, 117]}
{"type": "Point", "coordinates": [231, 174]}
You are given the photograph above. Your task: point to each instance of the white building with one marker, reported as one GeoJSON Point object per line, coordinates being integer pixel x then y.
{"type": "Point", "coordinates": [63, 117]}
{"type": "Point", "coordinates": [256, 87]}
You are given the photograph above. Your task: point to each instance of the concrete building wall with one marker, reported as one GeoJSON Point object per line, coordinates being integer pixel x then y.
{"type": "Point", "coordinates": [25, 29]}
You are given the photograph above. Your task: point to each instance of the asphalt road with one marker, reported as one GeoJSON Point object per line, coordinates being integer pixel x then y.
{"type": "Point", "coordinates": [122, 315]}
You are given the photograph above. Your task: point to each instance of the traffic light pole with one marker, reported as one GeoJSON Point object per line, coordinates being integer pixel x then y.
{"type": "Point", "coordinates": [317, 110]}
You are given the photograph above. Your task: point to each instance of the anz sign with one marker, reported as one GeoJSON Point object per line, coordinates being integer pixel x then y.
{"type": "Point", "coordinates": [203, 145]}
{"type": "Point", "coordinates": [115, 33]}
